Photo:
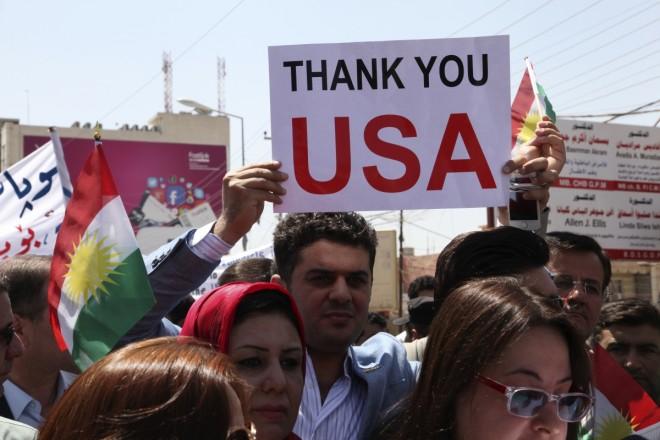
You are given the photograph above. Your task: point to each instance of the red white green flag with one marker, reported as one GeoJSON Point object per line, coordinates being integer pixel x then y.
{"type": "Point", "coordinates": [528, 108]}
{"type": "Point", "coordinates": [622, 407]}
{"type": "Point", "coordinates": [98, 285]}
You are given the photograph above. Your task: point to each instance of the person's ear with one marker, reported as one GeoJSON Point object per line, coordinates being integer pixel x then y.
{"type": "Point", "coordinates": [22, 327]}
{"type": "Point", "coordinates": [414, 335]}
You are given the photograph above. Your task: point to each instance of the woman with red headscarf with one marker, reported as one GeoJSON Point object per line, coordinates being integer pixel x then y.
{"type": "Point", "coordinates": [258, 325]}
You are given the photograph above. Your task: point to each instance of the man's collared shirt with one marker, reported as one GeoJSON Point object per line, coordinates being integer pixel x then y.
{"type": "Point", "coordinates": [27, 409]}
{"type": "Point", "coordinates": [340, 415]}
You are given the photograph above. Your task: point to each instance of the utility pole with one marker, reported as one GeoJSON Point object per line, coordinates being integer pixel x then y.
{"type": "Point", "coordinates": [401, 262]}
{"type": "Point", "coordinates": [167, 78]}
{"type": "Point", "coordinates": [221, 83]}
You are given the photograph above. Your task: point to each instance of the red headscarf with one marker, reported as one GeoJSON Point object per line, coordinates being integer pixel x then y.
{"type": "Point", "coordinates": [212, 316]}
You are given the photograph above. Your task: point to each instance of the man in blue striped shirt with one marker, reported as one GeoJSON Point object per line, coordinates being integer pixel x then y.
{"type": "Point", "coordinates": [326, 261]}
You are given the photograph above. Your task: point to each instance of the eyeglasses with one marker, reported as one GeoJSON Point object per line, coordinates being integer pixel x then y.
{"type": "Point", "coordinates": [7, 334]}
{"type": "Point", "coordinates": [566, 283]}
{"type": "Point", "coordinates": [527, 402]}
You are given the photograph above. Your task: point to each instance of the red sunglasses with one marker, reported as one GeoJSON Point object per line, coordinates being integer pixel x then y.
{"type": "Point", "coordinates": [527, 402]}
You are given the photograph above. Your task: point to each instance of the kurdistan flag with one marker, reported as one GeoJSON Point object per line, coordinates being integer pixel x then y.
{"type": "Point", "coordinates": [98, 285]}
{"type": "Point", "coordinates": [622, 408]}
{"type": "Point", "coordinates": [529, 106]}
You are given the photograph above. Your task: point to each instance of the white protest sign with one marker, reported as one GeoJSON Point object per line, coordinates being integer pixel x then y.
{"type": "Point", "coordinates": [392, 125]}
{"type": "Point", "coordinates": [32, 201]}
{"type": "Point", "coordinates": [212, 281]}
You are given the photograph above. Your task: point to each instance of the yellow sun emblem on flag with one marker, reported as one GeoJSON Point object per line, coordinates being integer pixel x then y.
{"type": "Point", "coordinates": [91, 265]}
{"type": "Point", "coordinates": [528, 128]}
{"type": "Point", "coordinates": [613, 427]}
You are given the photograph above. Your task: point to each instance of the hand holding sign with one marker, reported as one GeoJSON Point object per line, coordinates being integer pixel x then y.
{"type": "Point", "coordinates": [244, 192]}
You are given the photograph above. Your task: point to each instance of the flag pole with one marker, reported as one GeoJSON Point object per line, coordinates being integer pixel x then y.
{"type": "Point", "coordinates": [532, 79]}
{"type": "Point", "coordinates": [97, 134]}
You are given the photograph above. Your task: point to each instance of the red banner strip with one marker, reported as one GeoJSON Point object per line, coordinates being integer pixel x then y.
{"type": "Point", "coordinates": [607, 185]}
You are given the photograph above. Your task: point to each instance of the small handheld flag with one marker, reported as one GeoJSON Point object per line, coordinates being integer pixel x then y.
{"type": "Point", "coordinates": [528, 108]}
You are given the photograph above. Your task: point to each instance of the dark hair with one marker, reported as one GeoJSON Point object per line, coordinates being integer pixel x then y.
{"type": "Point", "coordinates": [264, 302]}
{"type": "Point", "coordinates": [4, 288]}
{"type": "Point", "coordinates": [178, 314]}
{"type": "Point", "coordinates": [154, 389]}
{"type": "Point", "coordinates": [570, 242]}
{"type": "Point", "coordinates": [377, 319]}
{"type": "Point", "coordinates": [425, 282]}
{"type": "Point", "coordinates": [26, 279]}
{"type": "Point", "coordinates": [297, 231]}
{"type": "Point", "coordinates": [251, 270]}
{"type": "Point", "coordinates": [477, 322]}
{"type": "Point", "coordinates": [630, 312]}
{"type": "Point", "coordinates": [503, 251]}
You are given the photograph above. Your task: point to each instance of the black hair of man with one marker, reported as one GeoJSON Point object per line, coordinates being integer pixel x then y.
{"type": "Point", "coordinates": [27, 277]}
{"type": "Point", "coordinates": [561, 241]}
{"type": "Point", "coordinates": [425, 282]}
{"type": "Point", "coordinates": [297, 231]}
{"type": "Point", "coordinates": [178, 314]}
{"type": "Point", "coordinates": [251, 270]}
{"type": "Point", "coordinates": [630, 312]}
{"type": "Point", "coordinates": [502, 251]}
{"type": "Point", "coordinates": [377, 319]}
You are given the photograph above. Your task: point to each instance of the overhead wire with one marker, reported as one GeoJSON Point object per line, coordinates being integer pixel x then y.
{"type": "Point", "coordinates": [175, 59]}
{"type": "Point", "coordinates": [559, 23]}
{"type": "Point", "coordinates": [636, 109]}
{"type": "Point", "coordinates": [481, 17]}
{"type": "Point", "coordinates": [591, 80]}
{"type": "Point", "coordinates": [430, 231]}
{"type": "Point", "coordinates": [604, 115]}
{"type": "Point", "coordinates": [573, 36]}
{"type": "Point", "coordinates": [534, 10]}
{"type": "Point", "coordinates": [609, 93]}
{"type": "Point", "coordinates": [591, 51]}
{"type": "Point", "coordinates": [608, 62]}
{"type": "Point", "coordinates": [620, 108]}
{"type": "Point", "coordinates": [585, 40]}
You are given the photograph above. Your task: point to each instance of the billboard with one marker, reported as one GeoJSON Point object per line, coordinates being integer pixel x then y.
{"type": "Point", "coordinates": [609, 188]}
{"type": "Point", "coordinates": [166, 187]}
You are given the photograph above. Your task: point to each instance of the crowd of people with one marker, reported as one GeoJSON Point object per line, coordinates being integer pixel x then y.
{"type": "Point", "coordinates": [496, 345]}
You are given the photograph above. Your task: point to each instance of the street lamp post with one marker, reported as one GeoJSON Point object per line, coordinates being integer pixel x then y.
{"type": "Point", "coordinates": [206, 110]}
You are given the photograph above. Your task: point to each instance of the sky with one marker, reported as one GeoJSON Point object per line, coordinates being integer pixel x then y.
{"type": "Point", "coordinates": [69, 61]}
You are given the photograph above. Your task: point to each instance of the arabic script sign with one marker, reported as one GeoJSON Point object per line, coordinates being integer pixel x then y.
{"type": "Point", "coordinates": [32, 200]}
{"type": "Point", "coordinates": [610, 187]}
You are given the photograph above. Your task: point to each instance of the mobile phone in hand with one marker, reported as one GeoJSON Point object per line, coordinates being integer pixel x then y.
{"type": "Point", "coordinates": [523, 214]}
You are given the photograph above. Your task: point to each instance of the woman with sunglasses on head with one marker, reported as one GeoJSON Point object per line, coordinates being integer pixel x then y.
{"type": "Point", "coordinates": [259, 327]}
{"type": "Point", "coordinates": [501, 363]}
{"type": "Point", "coordinates": [164, 388]}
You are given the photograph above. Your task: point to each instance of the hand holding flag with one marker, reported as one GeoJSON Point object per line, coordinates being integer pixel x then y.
{"type": "Point", "coordinates": [537, 145]}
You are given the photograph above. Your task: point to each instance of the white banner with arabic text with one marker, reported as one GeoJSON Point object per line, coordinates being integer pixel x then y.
{"type": "Point", "coordinates": [33, 196]}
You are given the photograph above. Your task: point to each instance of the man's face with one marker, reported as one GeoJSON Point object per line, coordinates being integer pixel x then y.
{"type": "Point", "coordinates": [585, 297]}
{"type": "Point", "coordinates": [332, 287]}
{"type": "Point", "coordinates": [637, 349]}
{"type": "Point", "coordinates": [40, 344]}
{"type": "Point", "coordinates": [10, 344]}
